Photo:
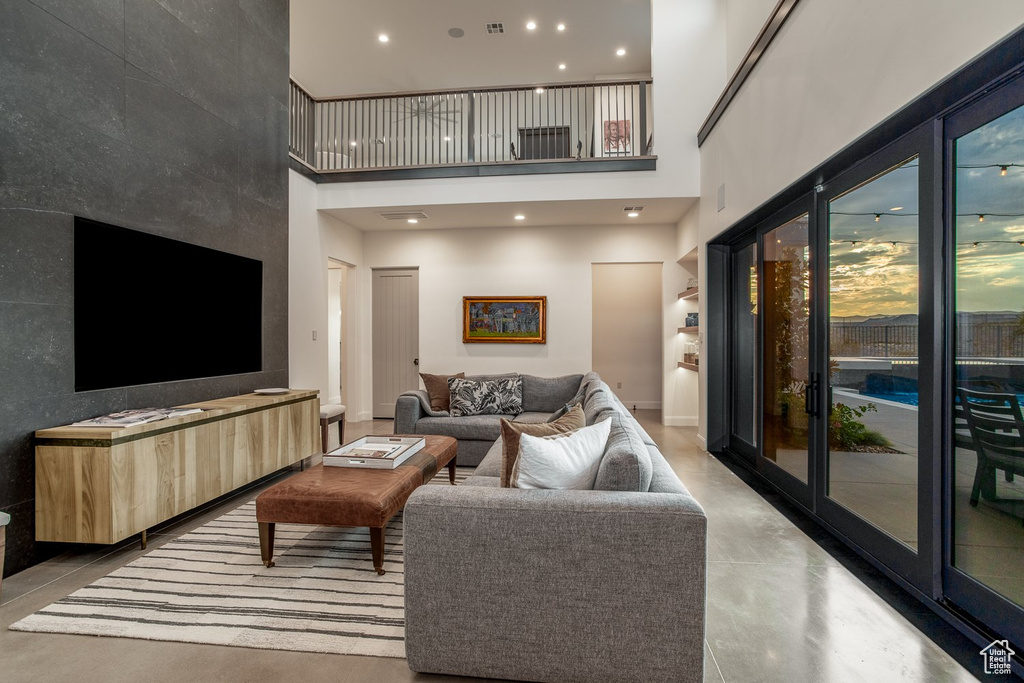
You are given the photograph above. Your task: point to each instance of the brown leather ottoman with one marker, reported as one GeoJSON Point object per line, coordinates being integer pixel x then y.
{"type": "Point", "coordinates": [348, 496]}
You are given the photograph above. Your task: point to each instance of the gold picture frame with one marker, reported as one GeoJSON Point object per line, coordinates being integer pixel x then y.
{"type": "Point", "coordinates": [504, 319]}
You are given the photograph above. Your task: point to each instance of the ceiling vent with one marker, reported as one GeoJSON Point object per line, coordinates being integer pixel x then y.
{"type": "Point", "coordinates": [629, 209]}
{"type": "Point", "coordinates": [404, 216]}
{"type": "Point", "coordinates": [496, 27]}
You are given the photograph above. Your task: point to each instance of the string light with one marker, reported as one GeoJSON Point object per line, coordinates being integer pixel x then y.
{"type": "Point", "coordinates": [878, 217]}
{"type": "Point", "coordinates": [981, 218]}
{"type": "Point", "coordinates": [1003, 168]}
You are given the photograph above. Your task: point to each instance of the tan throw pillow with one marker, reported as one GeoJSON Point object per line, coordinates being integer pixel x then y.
{"type": "Point", "coordinates": [510, 432]}
{"type": "Point", "coordinates": [437, 388]}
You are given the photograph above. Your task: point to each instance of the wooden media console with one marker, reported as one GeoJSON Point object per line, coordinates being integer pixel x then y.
{"type": "Point", "coordinates": [103, 485]}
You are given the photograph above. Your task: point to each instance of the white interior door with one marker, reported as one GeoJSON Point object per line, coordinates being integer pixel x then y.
{"type": "Point", "coordinates": [396, 343]}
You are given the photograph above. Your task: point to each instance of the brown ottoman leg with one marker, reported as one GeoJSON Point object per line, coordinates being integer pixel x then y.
{"type": "Point", "coordinates": [267, 543]}
{"type": "Point", "coordinates": [377, 548]}
{"type": "Point", "coordinates": [451, 471]}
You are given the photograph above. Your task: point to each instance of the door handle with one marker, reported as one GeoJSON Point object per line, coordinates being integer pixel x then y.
{"type": "Point", "coordinates": [811, 395]}
{"type": "Point", "coordinates": [415, 361]}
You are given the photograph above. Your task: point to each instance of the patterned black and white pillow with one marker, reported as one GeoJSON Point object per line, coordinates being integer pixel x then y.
{"type": "Point", "coordinates": [486, 397]}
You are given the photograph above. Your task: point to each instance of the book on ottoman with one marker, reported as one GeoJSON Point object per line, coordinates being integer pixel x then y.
{"type": "Point", "coordinates": [374, 452]}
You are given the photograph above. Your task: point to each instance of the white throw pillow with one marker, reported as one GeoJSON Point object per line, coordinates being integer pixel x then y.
{"type": "Point", "coordinates": [562, 462]}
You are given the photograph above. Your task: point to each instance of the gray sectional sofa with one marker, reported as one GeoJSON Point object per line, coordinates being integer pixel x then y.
{"type": "Point", "coordinates": [477, 433]}
{"type": "Point", "coordinates": [545, 585]}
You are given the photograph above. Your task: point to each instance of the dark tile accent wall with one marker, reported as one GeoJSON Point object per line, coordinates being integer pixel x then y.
{"type": "Point", "coordinates": [168, 116]}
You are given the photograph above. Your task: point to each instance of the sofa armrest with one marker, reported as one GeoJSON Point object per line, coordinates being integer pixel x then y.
{"type": "Point", "coordinates": [408, 411]}
{"type": "Point", "coordinates": [555, 585]}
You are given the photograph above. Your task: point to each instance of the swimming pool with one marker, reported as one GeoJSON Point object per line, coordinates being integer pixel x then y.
{"type": "Point", "coordinates": [910, 398]}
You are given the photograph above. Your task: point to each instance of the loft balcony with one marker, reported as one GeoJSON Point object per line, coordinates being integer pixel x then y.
{"type": "Point", "coordinates": [559, 128]}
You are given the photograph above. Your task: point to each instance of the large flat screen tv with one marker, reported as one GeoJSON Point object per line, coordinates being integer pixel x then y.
{"type": "Point", "coordinates": [151, 309]}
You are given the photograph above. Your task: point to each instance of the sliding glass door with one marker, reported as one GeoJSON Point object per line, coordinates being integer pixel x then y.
{"type": "Point", "coordinates": [835, 317]}
{"type": "Point", "coordinates": [876, 355]}
{"type": "Point", "coordinates": [985, 559]}
{"type": "Point", "coordinates": [872, 372]}
{"type": "Point", "coordinates": [786, 351]}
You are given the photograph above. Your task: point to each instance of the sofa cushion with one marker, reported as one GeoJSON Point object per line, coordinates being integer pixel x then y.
{"type": "Point", "coordinates": [596, 404]}
{"type": "Point", "coordinates": [479, 480]}
{"type": "Point", "coordinates": [473, 427]}
{"type": "Point", "coordinates": [490, 466]}
{"type": "Point", "coordinates": [534, 418]}
{"type": "Point", "coordinates": [626, 465]}
{"type": "Point", "coordinates": [486, 397]}
{"type": "Point", "coordinates": [437, 389]}
{"type": "Point", "coordinates": [424, 399]}
{"type": "Point", "coordinates": [511, 432]}
{"type": "Point", "coordinates": [548, 394]}
{"type": "Point", "coordinates": [567, 462]}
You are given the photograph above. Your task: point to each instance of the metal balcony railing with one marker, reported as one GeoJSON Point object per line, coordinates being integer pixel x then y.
{"type": "Point", "coordinates": [474, 126]}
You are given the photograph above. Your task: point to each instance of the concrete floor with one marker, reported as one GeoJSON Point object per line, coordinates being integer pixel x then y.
{"type": "Point", "coordinates": [785, 603]}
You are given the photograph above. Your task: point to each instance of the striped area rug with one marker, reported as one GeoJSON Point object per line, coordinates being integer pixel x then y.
{"type": "Point", "coordinates": [209, 586]}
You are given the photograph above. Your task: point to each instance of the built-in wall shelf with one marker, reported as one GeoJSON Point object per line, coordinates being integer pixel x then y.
{"type": "Point", "coordinates": [693, 329]}
{"type": "Point", "coordinates": [689, 366]}
{"type": "Point", "coordinates": [690, 293]}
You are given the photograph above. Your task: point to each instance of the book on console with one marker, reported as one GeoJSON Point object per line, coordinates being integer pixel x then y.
{"type": "Point", "coordinates": [135, 417]}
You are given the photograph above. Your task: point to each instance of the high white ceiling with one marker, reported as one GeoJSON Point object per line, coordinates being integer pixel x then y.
{"type": "Point", "coordinates": [335, 48]}
{"type": "Point", "coordinates": [662, 211]}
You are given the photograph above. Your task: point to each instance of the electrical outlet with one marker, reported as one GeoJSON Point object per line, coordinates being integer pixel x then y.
{"type": "Point", "coordinates": [618, 385]}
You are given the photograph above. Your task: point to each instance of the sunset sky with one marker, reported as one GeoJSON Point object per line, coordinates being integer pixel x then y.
{"type": "Point", "coordinates": [876, 277]}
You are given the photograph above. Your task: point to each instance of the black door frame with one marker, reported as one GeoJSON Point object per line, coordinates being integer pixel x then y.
{"type": "Point", "coordinates": [799, 491]}
{"type": "Point", "coordinates": [959, 588]}
{"type": "Point", "coordinates": [915, 567]}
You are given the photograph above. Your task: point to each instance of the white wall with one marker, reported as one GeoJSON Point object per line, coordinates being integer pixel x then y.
{"type": "Point", "coordinates": [313, 239]}
{"type": "Point", "coordinates": [835, 70]}
{"type": "Point", "coordinates": [743, 21]}
{"type": "Point", "coordinates": [551, 261]}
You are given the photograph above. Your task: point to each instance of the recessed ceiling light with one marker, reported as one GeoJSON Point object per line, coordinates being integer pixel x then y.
{"type": "Point", "coordinates": [562, 67]}
{"type": "Point", "coordinates": [539, 90]}
{"type": "Point", "coordinates": [447, 138]}
{"type": "Point", "coordinates": [896, 208]}
{"type": "Point", "coordinates": [456, 32]}
{"type": "Point", "coordinates": [520, 217]}
{"type": "Point", "coordinates": [383, 38]}
{"type": "Point", "coordinates": [632, 214]}
{"type": "Point", "coordinates": [352, 144]}
{"type": "Point", "coordinates": [561, 27]}
{"type": "Point", "coordinates": [413, 220]}
{"type": "Point", "coordinates": [621, 51]}
{"type": "Point", "coordinates": [530, 25]}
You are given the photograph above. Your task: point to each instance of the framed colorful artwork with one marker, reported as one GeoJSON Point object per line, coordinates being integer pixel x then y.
{"type": "Point", "coordinates": [504, 319]}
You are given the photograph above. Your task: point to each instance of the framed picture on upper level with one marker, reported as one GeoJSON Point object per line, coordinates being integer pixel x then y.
{"type": "Point", "coordinates": [617, 137]}
{"type": "Point", "coordinates": [504, 319]}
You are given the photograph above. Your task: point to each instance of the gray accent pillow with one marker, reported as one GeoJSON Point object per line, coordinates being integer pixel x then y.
{"type": "Point", "coordinates": [487, 397]}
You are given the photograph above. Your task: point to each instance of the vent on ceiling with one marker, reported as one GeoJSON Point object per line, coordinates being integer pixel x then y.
{"type": "Point", "coordinates": [496, 27]}
{"type": "Point", "coordinates": [628, 209]}
{"type": "Point", "coordinates": [404, 215]}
